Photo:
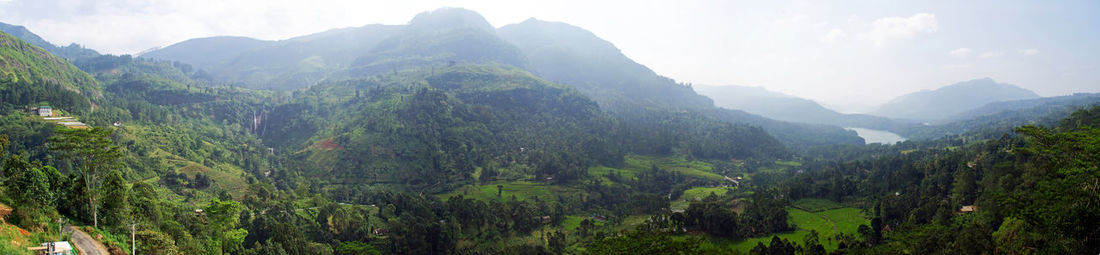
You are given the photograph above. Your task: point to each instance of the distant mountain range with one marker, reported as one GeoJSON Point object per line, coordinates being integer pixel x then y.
{"type": "Point", "coordinates": [71, 52]}
{"type": "Point", "coordinates": [981, 108]}
{"type": "Point", "coordinates": [556, 52]}
{"type": "Point", "coordinates": [947, 101]}
{"type": "Point", "coordinates": [994, 119]}
{"type": "Point", "coordinates": [31, 76]}
{"type": "Point", "coordinates": [779, 106]}
{"type": "Point", "coordinates": [553, 51]}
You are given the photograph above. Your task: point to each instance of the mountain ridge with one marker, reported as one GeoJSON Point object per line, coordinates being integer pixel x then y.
{"type": "Point", "coordinates": [71, 52]}
{"type": "Point", "coordinates": [930, 105]}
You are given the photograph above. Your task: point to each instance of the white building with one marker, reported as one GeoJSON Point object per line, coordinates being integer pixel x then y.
{"type": "Point", "coordinates": [54, 248]}
{"type": "Point", "coordinates": [45, 111]}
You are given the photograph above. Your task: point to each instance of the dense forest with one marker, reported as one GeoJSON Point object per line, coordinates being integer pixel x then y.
{"type": "Point", "coordinates": [417, 149]}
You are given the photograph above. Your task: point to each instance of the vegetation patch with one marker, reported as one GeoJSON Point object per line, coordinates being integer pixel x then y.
{"type": "Point", "coordinates": [634, 164]}
{"type": "Point", "coordinates": [816, 204]}
{"type": "Point", "coordinates": [522, 190]}
{"type": "Point", "coordinates": [828, 224]}
{"type": "Point", "coordinates": [698, 193]}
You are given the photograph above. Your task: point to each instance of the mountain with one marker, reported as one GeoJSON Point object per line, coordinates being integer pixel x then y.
{"type": "Point", "coordinates": [451, 36]}
{"type": "Point", "coordinates": [440, 37]}
{"type": "Point", "coordinates": [436, 135]}
{"type": "Point", "coordinates": [991, 120]}
{"type": "Point", "coordinates": [950, 100]}
{"type": "Point", "coordinates": [30, 75]}
{"type": "Point", "coordinates": [208, 53]}
{"type": "Point", "coordinates": [71, 52]}
{"type": "Point", "coordinates": [446, 36]}
{"type": "Point", "coordinates": [785, 107]}
{"type": "Point", "coordinates": [571, 55]}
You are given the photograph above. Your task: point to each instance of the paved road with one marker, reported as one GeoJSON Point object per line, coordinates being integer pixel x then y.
{"type": "Point", "coordinates": [85, 244]}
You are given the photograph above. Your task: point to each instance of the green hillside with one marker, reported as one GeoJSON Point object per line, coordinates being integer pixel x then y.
{"type": "Point", "coordinates": [448, 136]}
{"type": "Point", "coordinates": [32, 76]}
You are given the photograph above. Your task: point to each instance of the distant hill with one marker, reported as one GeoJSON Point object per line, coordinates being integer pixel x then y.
{"type": "Point", "coordinates": [785, 107]}
{"type": "Point", "coordinates": [208, 53]}
{"type": "Point", "coordinates": [950, 100]}
{"type": "Point", "coordinates": [556, 52]}
{"type": "Point", "coordinates": [441, 37]}
{"type": "Point", "coordinates": [30, 75]}
{"type": "Point", "coordinates": [459, 117]}
{"type": "Point", "coordinates": [994, 119]}
{"type": "Point", "coordinates": [571, 55]}
{"type": "Point", "coordinates": [446, 36]}
{"type": "Point", "coordinates": [71, 52]}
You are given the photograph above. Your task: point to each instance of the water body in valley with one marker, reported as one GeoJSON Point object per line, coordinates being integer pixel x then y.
{"type": "Point", "coordinates": [877, 136]}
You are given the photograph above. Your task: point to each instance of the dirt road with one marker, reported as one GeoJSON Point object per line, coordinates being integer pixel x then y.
{"type": "Point", "coordinates": [85, 244]}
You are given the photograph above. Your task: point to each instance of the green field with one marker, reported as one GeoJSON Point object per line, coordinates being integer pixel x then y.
{"type": "Point", "coordinates": [633, 164]}
{"type": "Point", "coordinates": [696, 194]}
{"type": "Point", "coordinates": [846, 220]}
{"type": "Point", "coordinates": [523, 190]}
{"type": "Point", "coordinates": [816, 204]}
{"type": "Point", "coordinates": [780, 166]}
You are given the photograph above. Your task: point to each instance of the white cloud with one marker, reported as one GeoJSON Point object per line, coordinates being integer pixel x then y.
{"type": "Point", "coordinates": [834, 36]}
{"type": "Point", "coordinates": [960, 52]}
{"type": "Point", "coordinates": [889, 29]}
{"type": "Point", "coordinates": [990, 54]}
{"type": "Point", "coordinates": [1029, 52]}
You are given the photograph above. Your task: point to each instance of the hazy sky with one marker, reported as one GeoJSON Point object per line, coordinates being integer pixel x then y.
{"type": "Point", "coordinates": [847, 54]}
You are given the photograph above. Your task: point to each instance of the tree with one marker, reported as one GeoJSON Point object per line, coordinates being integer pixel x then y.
{"type": "Point", "coordinates": [144, 202]}
{"type": "Point", "coordinates": [3, 148]}
{"type": "Point", "coordinates": [116, 205]}
{"type": "Point", "coordinates": [30, 190]}
{"type": "Point", "coordinates": [356, 248]}
{"type": "Point", "coordinates": [1015, 237]}
{"type": "Point", "coordinates": [224, 217]}
{"type": "Point", "coordinates": [74, 204]}
{"type": "Point", "coordinates": [156, 243]}
{"type": "Point", "coordinates": [811, 244]}
{"type": "Point", "coordinates": [92, 152]}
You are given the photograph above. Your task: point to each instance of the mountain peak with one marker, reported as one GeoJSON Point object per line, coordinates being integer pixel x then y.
{"type": "Point", "coordinates": [952, 99]}
{"type": "Point", "coordinates": [450, 18]}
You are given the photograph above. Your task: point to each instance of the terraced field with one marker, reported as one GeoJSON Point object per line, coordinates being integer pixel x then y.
{"type": "Point", "coordinates": [697, 193]}
{"type": "Point", "coordinates": [633, 164]}
{"type": "Point", "coordinates": [522, 190]}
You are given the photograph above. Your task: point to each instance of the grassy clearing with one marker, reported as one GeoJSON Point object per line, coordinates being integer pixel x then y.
{"type": "Point", "coordinates": [788, 163]}
{"type": "Point", "coordinates": [816, 204]}
{"type": "Point", "coordinates": [702, 192]}
{"type": "Point", "coordinates": [697, 193]}
{"type": "Point", "coordinates": [846, 220]}
{"type": "Point", "coordinates": [780, 166]}
{"type": "Point", "coordinates": [14, 240]}
{"type": "Point", "coordinates": [633, 164]}
{"type": "Point", "coordinates": [226, 176]}
{"type": "Point", "coordinates": [630, 223]}
{"type": "Point", "coordinates": [522, 190]}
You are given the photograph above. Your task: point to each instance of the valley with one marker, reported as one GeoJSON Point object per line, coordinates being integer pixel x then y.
{"type": "Point", "coordinates": [448, 135]}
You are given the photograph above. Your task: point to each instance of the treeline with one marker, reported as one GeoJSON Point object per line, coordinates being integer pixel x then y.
{"type": "Point", "coordinates": [434, 128]}
{"type": "Point", "coordinates": [1030, 192]}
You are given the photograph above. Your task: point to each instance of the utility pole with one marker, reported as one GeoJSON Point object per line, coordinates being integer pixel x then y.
{"type": "Point", "coordinates": [133, 240]}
